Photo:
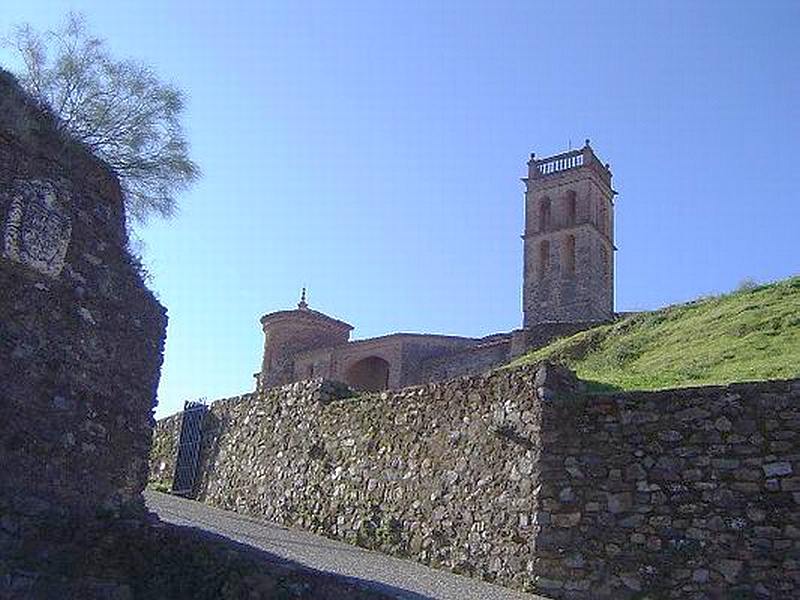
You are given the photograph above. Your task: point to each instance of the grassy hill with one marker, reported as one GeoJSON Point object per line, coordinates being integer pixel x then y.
{"type": "Point", "coordinates": [748, 335]}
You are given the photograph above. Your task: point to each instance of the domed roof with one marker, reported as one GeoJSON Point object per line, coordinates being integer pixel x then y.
{"type": "Point", "coordinates": [303, 314]}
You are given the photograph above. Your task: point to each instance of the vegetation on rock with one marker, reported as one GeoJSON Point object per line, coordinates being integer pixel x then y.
{"type": "Point", "coordinates": [751, 334]}
{"type": "Point", "coordinates": [118, 109]}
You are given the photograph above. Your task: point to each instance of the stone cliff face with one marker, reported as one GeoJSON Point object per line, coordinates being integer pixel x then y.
{"type": "Point", "coordinates": [81, 338]}
{"type": "Point", "coordinates": [521, 478]}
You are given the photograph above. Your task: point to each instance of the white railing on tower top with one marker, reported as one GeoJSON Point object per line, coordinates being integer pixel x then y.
{"type": "Point", "coordinates": [562, 163]}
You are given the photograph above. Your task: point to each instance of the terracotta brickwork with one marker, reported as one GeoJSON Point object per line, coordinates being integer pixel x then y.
{"type": "Point", "coordinates": [290, 333]}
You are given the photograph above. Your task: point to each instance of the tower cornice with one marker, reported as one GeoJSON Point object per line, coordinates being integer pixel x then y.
{"type": "Point", "coordinates": [565, 161]}
{"type": "Point", "coordinates": [568, 176]}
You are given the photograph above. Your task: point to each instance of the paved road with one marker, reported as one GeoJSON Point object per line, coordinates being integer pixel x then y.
{"type": "Point", "coordinates": [403, 579]}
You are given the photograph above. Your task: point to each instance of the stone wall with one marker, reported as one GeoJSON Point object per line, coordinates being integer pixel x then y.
{"type": "Point", "coordinates": [165, 448]}
{"type": "Point", "coordinates": [495, 350]}
{"type": "Point", "coordinates": [472, 361]}
{"type": "Point", "coordinates": [683, 493]}
{"type": "Point", "coordinates": [519, 478]}
{"type": "Point", "coordinates": [81, 338]}
{"type": "Point", "coordinates": [393, 471]}
{"type": "Point", "coordinates": [542, 334]}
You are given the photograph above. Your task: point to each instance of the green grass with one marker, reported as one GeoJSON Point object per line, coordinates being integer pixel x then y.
{"type": "Point", "coordinates": [748, 335]}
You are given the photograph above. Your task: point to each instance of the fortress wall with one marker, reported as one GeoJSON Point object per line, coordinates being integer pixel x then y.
{"type": "Point", "coordinates": [681, 493]}
{"type": "Point", "coordinates": [497, 351]}
{"type": "Point", "coordinates": [472, 361]}
{"type": "Point", "coordinates": [542, 334]}
{"type": "Point", "coordinates": [80, 342]}
{"type": "Point", "coordinates": [414, 472]}
{"type": "Point", "coordinates": [518, 478]}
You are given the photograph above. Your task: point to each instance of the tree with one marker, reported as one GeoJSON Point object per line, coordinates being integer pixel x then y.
{"type": "Point", "coordinates": [119, 109]}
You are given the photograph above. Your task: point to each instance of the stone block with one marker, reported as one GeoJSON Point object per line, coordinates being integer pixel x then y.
{"type": "Point", "coordinates": [777, 469]}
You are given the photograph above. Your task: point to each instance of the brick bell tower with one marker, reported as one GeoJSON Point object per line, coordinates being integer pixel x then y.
{"type": "Point", "coordinates": [569, 239]}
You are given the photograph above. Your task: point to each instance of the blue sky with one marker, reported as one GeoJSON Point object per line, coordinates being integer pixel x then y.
{"type": "Point", "coordinates": [372, 151]}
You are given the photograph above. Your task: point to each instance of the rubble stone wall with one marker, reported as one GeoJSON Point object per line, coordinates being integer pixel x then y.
{"type": "Point", "coordinates": [496, 350]}
{"type": "Point", "coordinates": [690, 493]}
{"type": "Point", "coordinates": [520, 478]}
{"type": "Point", "coordinates": [472, 361]}
{"type": "Point", "coordinates": [164, 452]}
{"type": "Point", "coordinates": [81, 338]}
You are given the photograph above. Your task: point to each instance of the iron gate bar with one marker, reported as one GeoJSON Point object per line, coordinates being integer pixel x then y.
{"type": "Point", "coordinates": [189, 448]}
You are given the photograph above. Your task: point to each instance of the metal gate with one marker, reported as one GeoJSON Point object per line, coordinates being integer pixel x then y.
{"type": "Point", "coordinates": [189, 448]}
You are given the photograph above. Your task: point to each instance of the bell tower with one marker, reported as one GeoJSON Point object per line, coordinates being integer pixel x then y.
{"type": "Point", "coordinates": [569, 239]}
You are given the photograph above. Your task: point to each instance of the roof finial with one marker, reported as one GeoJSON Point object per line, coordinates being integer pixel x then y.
{"type": "Point", "coordinates": [303, 305]}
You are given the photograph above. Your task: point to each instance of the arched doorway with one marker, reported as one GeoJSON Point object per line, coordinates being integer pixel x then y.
{"type": "Point", "coordinates": [369, 374]}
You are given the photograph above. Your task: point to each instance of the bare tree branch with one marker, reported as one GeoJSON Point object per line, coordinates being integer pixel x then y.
{"type": "Point", "coordinates": [119, 109]}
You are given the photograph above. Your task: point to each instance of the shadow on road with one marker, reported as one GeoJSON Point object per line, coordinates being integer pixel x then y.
{"type": "Point", "coordinates": [282, 566]}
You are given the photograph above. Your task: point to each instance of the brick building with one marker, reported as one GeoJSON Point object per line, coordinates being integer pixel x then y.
{"type": "Point", "coordinates": [568, 286]}
{"type": "Point", "coordinates": [306, 344]}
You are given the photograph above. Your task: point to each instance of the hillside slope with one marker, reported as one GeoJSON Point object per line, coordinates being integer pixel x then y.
{"type": "Point", "coordinates": [747, 335]}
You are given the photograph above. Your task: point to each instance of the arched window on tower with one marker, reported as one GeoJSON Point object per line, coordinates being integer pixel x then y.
{"type": "Point", "coordinates": [544, 214]}
{"type": "Point", "coordinates": [571, 207]}
{"type": "Point", "coordinates": [544, 257]}
{"type": "Point", "coordinates": [568, 255]}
